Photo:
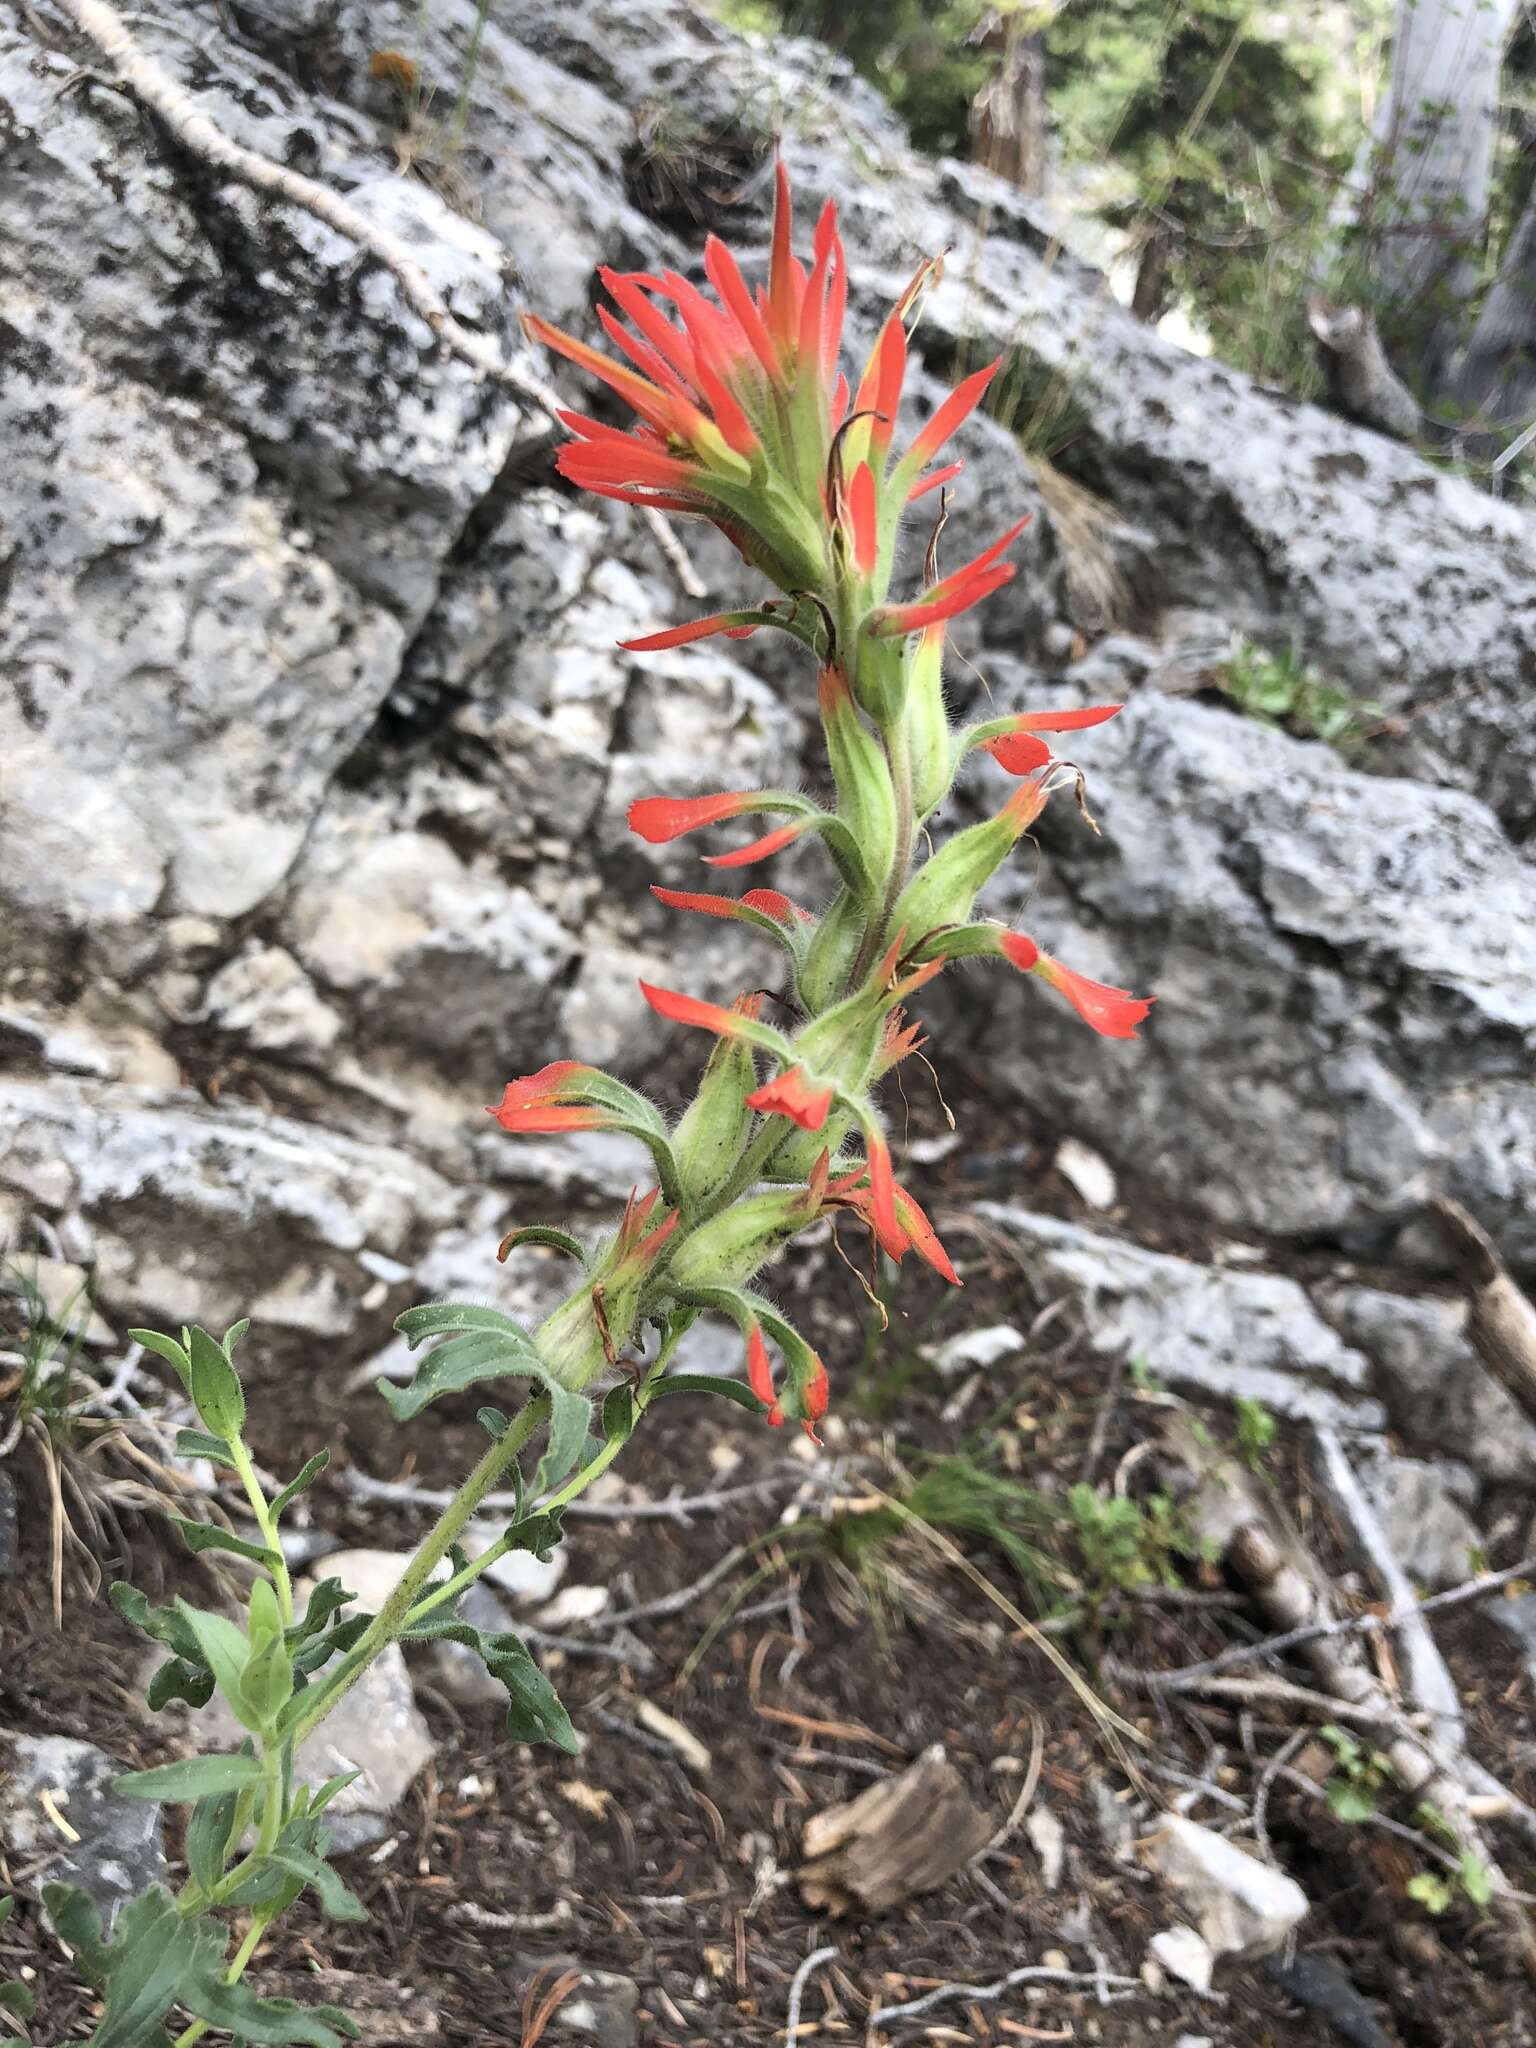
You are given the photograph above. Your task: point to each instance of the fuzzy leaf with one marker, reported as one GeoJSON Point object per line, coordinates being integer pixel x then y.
{"type": "Point", "coordinates": [484, 1344]}
{"type": "Point", "coordinates": [226, 1653]}
{"type": "Point", "coordinates": [542, 1233]}
{"type": "Point", "coordinates": [709, 1383]}
{"type": "Point", "coordinates": [199, 1777]}
{"type": "Point", "coordinates": [337, 1900]}
{"type": "Point", "coordinates": [167, 1348]}
{"type": "Point", "coordinates": [200, 1536]}
{"type": "Point", "coordinates": [216, 1391]}
{"type": "Point", "coordinates": [178, 1679]}
{"type": "Point", "coordinates": [534, 1712]}
{"type": "Point", "coordinates": [209, 1826]}
{"type": "Point", "coordinates": [197, 1443]}
{"type": "Point", "coordinates": [311, 1471]}
{"type": "Point", "coordinates": [152, 1960]}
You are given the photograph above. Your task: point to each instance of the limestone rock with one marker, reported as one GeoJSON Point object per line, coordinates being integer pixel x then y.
{"type": "Point", "coordinates": [1221, 1332]}
{"type": "Point", "coordinates": [1241, 1907]}
{"type": "Point", "coordinates": [118, 1851]}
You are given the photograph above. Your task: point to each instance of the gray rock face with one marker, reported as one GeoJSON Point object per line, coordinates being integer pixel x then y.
{"type": "Point", "coordinates": [1345, 967]}
{"type": "Point", "coordinates": [1221, 1331]}
{"type": "Point", "coordinates": [315, 743]}
{"type": "Point", "coordinates": [118, 1851]}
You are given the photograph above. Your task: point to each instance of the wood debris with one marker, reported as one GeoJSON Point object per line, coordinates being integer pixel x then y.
{"type": "Point", "coordinates": [902, 1836]}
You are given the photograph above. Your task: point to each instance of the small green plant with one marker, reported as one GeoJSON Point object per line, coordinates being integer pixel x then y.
{"type": "Point", "coordinates": [43, 1343]}
{"type": "Point", "coordinates": [1283, 689]}
{"type": "Point", "coordinates": [1256, 1429]}
{"type": "Point", "coordinates": [1354, 1790]}
{"type": "Point", "coordinates": [1125, 1545]}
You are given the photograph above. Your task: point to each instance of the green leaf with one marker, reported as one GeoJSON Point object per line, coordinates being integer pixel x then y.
{"type": "Point", "coordinates": [337, 1900]}
{"type": "Point", "coordinates": [178, 1679]}
{"type": "Point", "coordinates": [542, 1233]}
{"type": "Point", "coordinates": [462, 1362]}
{"type": "Point", "coordinates": [200, 1536]}
{"type": "Point", "coordinates": [209, 1827]}
{"type": "Point", "coordinates": [1349, 1801]}
{"type": "Point", "coordinates": [233, 1335]}
{"type": "Point", "coordinates": [184, 1676]}
{"type": "Point", "coordinates": [1476, 1879]}
{"type": "Point", "coordinates": [226, 1653]}
{"type": "Point", "coordinates": [200, 1777]}
{"type": "Point", "coordinates": [493, 1422]}
{"type": "Point", "coordinates": [311, 1471]}
{"type": "Point", "coordinates": [451, 1318]}
{"type": "Point", "coordinates": [709, 1383]}
{"type": "Point", "coordinates": [322, 1798]}
{"type": "Point", "coordinates": [154, 1956]}
{"type": "Point", "coordinates": [534, 1712]}
{"type": "Point", "coordinates": [485, 1344]}
{"type": "Point", "coordinates": [216, 1390]}
{"type": "Point", "coordinates": [327, 1598]}
{"type": "Point", "coordinates": [1431, 1891]}
{"type": "Point", "coordinates": [167, 1348]}
{"type": "Point", "coordinates": [197, 1443]}
{"type": "Point", "coordinates": [317, 1651]}
{"type": "Point", "coordinates": [238, 2009]}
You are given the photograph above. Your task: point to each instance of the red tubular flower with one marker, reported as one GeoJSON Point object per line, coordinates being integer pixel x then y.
{"type": "Point", "coordinates": [760, 849]}
{"type": "Point", "coordinates": [539, 1104]}
{"type": "Point", "coordinates": [936, 482]}
{"type": "Point", "coordinates": [760, 1376]}
{"type": "Point", "coordinates": [923, 1238]}
{"type": "Point", "coordinates": [1013, 745]}
{"type": "Point", "coordinates": [906, 1229]}
{"type": "Point", "coordinates": [956, 593]}
{"type": "Point", "coordinates": [813, 1398]}
{"type": "Point", "coordinates": [634, 1242]}
{"type": "Point", "coordinates": [793, 1094]}
{"type": "Point", "coordinates": [1021, 753]}
{"type": "Point", "coordinates": [681, 1009]}
{"type": "Point", "coordinates": [863, 515]}
{"type": "Point", "coordinates": [734, 625]}
{"type": "Point", "coordinates": [1113, 1012]}
{"type": "Point", "coordinates": [656, 819]}
{"type": "Point", "coordinates": [767, 903]}
{"type": "Point", "coordinates": [951, 415]}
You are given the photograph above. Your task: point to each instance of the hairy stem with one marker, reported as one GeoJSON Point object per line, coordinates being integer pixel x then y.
{"type": "Point", "coordinates": [898, 751]}
{"type": "Point", "coordinates": [392, 1616]}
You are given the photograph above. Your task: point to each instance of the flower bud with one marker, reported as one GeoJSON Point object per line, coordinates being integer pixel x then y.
{"type": "Point", "coordinates": [866, 801]}
{"type": "Point", "coordinates": [928, 723]}
{"type": "Point", "coordinates": [830, 956]}
{"type": "Point", "coordinates": [710, 1135]}
{"type": "Point", "coordinates": [728, 1250]}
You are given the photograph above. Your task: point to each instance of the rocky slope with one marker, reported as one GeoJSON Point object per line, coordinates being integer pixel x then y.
{"type": "Point", "coordinates": [316, 743]}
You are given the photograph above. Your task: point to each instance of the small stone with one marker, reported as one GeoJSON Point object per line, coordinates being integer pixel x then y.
{"type": "Point", "coordinates": [601, 2010]}
{"type": "Point", "coordinates": [1048, 1838]}
{"type": "Point", "coordinates": [976, 1348]}
{"type": "Point", "coordinates": [1088, 1172]}
{"type": "Point", "coordinates": [574, 1604]}
{"type": "Point", "coordinates": [60, 1819]}
{"type": "Point", "coordinates": [1185, 1955]}
{"type": "Point", "coordinates": [1055, 1959]}
{"type": "Point", "coordinates": [1242, 1907]}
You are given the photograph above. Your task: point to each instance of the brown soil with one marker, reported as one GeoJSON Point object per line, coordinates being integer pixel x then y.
{"type": "Point", "coordinates": [671, 1877]}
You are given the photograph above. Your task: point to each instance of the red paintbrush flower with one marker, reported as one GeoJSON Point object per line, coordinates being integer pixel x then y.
{"type": "Point", "coordinates": [760, 1376]}
{"type": "Point", "coordinates": [793, 1094]}
{"type": "Point", "coordinates": [553, 1099]}
{"type": "Point", "coordinates": [1113, 1012]}
{"type": "Point", "coordinates": [1012, 743]}
{"type": "Point", "coordinates": [755, 905]}
{"type": "Point", "coordinates": [956, 593]}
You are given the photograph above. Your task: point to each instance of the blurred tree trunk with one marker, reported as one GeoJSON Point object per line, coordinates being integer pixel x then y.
{"type": "Point", "coordinates": [1008, 115]}
{"type": "Point", "coordinates": [1420, 189]}
{"type": "Point", "coordinates": [1496, 379]}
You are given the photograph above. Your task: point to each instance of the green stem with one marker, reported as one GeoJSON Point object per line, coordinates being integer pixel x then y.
{"type": "Point", "coordinates": [898, 751]}
{"type": "Point", "coordinates": [392, 1616]}
{"type": "Point", "coordinates": [267, 1526]}
{"type": "Point", "coordinates": [232, 1975]}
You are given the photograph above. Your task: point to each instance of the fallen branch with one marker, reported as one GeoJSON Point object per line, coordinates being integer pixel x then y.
{"type": "Point", "coordinates": [1501, 1321]}
{"type": "Point", "coordinates": [798, 1982]}
{"type": "Point", "coordinates": [1103, 1982]}
{"type": "Point", "coordinates": [1230, 1506]}
{"type": "Point", "coordinates": [1320, 1631]}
